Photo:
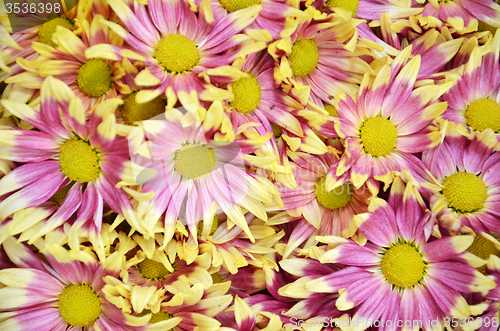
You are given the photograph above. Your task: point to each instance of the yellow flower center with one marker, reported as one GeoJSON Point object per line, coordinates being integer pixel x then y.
{"type": "Point", "coordinates": [47, 29]}
{"type": "Point", "coordinates": [483, 114]}
{"type": "Point", "coordinates": [79, 161]}
{"type": "Point", "coordinates": [331, 109]}
{"type": "Point", "coordinates": [216, 278]}
{"type": "Point", "coordinates": [247, 93]}
{"type": "Point", "coordinates": [59, 196]}
{"type": "Point", "coordinates": [403, 265]}
{"type": "Point", "coordinates": [465, 192]}
{"type": "Point", "coordinates": [350, 5]}
{"type": "Point", "coordinates": [158, 317]}
{"type": "Point", "coordinates": [304, 57]}
{"type": "Point", "coordinates": [215, 225]}
{"type": "Point", "coordinates": [134, 112]}
{"type": "Point", "coordinates": [277, 130]}
{"type": "Point", "coordinates": [95, 78]}
{"type": "Point", "coordinates": [378, 136]}
{"type": "Point", "coordinates": [485, 27]}
{"type": "Point", "coordinates": [152, 270]}
{"type": "Point", "coordinates": [234, 5]}
{"type": "Point", "coordinates": [194, 160]}
{"type": "Point", "coordinates": [337, 198]}
{"type": "Point", "coordinates": [80, 305]}
{"type": "Point", "coordinates": [483, 248]}
{"type": "Point", "coordinates": [177, 53]}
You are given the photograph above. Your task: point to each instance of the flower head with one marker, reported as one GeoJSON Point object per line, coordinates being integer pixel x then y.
{"type": "Point", "coordinates": [390, 120]}
{"type": "Point", "coordinates": [195, 176]}
{"type": "Point", "coordinates": [71, 164]}
{"type": "Point", "coordinates": [327, 203]}
{"type": "Point", "coordinates": [174, 53]}
{"type": "Point", "coordinates": [466, 171]}
{"type": "Point", "coordinates": [59, 292]}
{"type": "Point", "coordinates": [474, 102]}
{"type": "Point", "coordinates": [399, 267]}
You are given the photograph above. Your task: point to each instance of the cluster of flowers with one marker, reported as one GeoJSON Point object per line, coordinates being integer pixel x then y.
{"type": "Point", "coordinates": [251, 165]}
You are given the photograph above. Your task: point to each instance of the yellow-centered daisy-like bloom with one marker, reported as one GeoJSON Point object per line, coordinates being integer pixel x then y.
{"type": "Point", "coordinates": [397, 267]}
{"type": "Point", "coordinates": [380, 131]}
{"type": "Point", "coordinates": [78, 159]}
{"type": "Point", "coordinates": [93, 80]}
{"type": "Point", "coordinates": [468, 193]}
{"type": "Point", "coordinates": [195, 166]}
{"type": "Point", "coordinates": [175, 57]}
{"type": "Point", "coordinates": [72, 292]}
{"type": "Point", "coordinates": [474, 102]}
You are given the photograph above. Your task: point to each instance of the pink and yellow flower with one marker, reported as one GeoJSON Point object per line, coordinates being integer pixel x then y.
{"type": "Point", "coordinates": [321, 57]}
{"type": "Point", "coordinates": [92, 81]}
{"type": "Point", "coordinates": [195, 175]}
{"type": "Point", "coordinates": [463, 15]}
{"type": "Point", "coordinates": [474, 102]}
{"type": "Point", "coordinates": [175, 44]}
{"type": "Point", "coordinates": [70, 165]}
{"type": "Point", "coordinates": [466, 171]}
{"type": "Point", "coordinates": [59, 293]}
{"type": "Point", "coordinates": [390, 120]}
{"type": "Point", "coordinates": [400, 274]}
{"type": "Point", "coordinates": [327, 202]}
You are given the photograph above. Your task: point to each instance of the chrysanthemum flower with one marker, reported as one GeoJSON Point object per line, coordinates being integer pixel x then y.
{"type": "Point", "coordinates": [327, 204]}
{"type": "Point", "coordinates": [92, 81]}
{"type": "Point", "coordinates": [175, 44]}
{"type": "Point", "coordinates": [254, 91]}
{"type": "Point", "coordinates": [196, 175]}
{"type": "Point", "coordinates": [131, 112]}
{"type": "Point", "coordinates": [19, 44]}
{"type": "Point", "coordinates": [474, 101]}
{"type": "Point", "coordinates": [174, 291]}
{"type": "Point", "coordinates": [389, 121]}
{"type": "Point", "coordinates": [60, 293]}
{"type": "Point", "coordinates": [462, 15]}
{"type": "Point", "coordinates": [400, 275]}
{"type": "Point", "coordinates": [254, 97]}
{"type": "Point", "coordinates": [322, 55]}
{"type": "Point", "coordinates": [71, 165]}
{"type": "Point", "coordinates": [467, 171]}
